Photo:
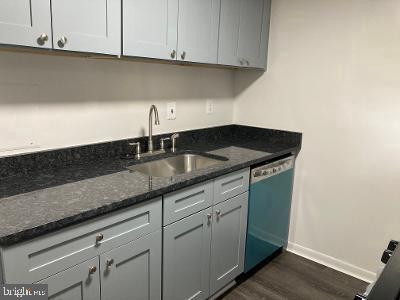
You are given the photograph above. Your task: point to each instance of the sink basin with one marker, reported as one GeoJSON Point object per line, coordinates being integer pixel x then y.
{"type": "Point", "coordinates": [175, 165]}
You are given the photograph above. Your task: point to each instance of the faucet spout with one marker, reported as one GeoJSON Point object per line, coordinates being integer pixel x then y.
{"type": "Point", "coordinates": [153, 109]}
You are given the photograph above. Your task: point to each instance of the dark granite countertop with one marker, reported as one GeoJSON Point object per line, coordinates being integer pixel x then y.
{"type": "Point", "coordinates": [47, 199]}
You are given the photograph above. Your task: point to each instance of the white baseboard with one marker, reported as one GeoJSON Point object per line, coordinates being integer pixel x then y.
{"type": "Point", "coordinates": [332, 262]}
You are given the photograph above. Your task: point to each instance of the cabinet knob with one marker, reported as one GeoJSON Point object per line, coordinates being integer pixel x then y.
{"type": "Point", "coordinates": [109, 262]}
{"type": "Point", "coordinates": [99, 237]}
{"type": "Point", "coordinates": [209, 218]}
{"type": "Point", "coordinates": [62, 41]}
{"type": "Point", "coordinates": [183, 55]}
{"type": "Point", "coordinates": [173, 53]}
{"type": "Point", "coordinates": [42, 39]}
{"type": "Point", "coordinates": [92, 270]}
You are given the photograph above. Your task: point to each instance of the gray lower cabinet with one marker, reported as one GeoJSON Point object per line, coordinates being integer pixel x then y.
{"type": "Point", "coordinates": [25, 23]}
{"type": "Point", "coordinates": [187, 257]}
{"type": "Point", "coordinates": [115, 256]}
{"type": "Point", "coordinates": [204, 251]}
{"type": "Point", "coordinates": [228, 241]}
{"type": "Point", "coordinates": [133, 271]}
{"type": "Point", "coordinates": [80, 282]}
{"type": "Point", "coordinates": [243, 33]}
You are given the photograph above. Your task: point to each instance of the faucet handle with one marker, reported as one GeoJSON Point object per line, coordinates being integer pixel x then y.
{"type": "Point", "coordinates": [162, 146]}
{"type": "Point", "coordinates": [173, 138]}
{"type": "Point", "coordinates": [137, 144]}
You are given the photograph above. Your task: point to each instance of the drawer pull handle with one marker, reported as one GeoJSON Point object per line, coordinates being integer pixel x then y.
{"type": "Point", "coordinates": [218, 213]}
{"type": "Point", "coordinates": [92, 270]}
{"type": "Point", "coordinates": [109, 262]}
{"type": "Point", "coordinates": [99, 237]}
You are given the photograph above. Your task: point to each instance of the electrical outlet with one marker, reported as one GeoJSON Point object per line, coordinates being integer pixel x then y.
{"type": "Point", "coordinates": [209, 106]}
{"type": "Point", "coordinates": [171, 110]}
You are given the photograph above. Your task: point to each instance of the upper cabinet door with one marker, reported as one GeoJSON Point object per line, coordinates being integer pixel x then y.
{"type": "Point", "coordinates": [150, 28]}
{"type": "Point", "coordinates": [87, 25]}
{"type": "Point", "coordinates": [25, 23]}
{"type": "Point", "coordinates": [198, 30]}
{"type": "Point", "coordinates": [244, 30]}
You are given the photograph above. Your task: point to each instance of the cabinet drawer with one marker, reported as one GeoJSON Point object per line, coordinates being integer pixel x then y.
{"type": "Point", "coordinates": [182, 203]}
{"type": "Point", "coordinates": [44, 256]}
{"type": "Point", "coordinates": [231, 185]}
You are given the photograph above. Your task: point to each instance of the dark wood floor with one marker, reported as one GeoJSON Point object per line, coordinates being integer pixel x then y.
{"type": "Point", "coordinates": [289, 276]}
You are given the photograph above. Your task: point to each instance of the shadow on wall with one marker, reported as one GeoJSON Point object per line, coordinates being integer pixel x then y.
{"type": "Point", "coordinates": [34, 78]}
{"type": "Point", "coordinates": [244, 79]}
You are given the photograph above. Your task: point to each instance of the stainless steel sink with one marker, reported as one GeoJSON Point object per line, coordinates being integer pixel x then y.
{"type": "Point", "coordinates": [175, 165]}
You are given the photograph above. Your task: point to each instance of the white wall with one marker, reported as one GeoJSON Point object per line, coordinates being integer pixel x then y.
{"type": "Point", "coordinates": [50, 101]}
{"type": "Point", "coordinates": [334, 74]}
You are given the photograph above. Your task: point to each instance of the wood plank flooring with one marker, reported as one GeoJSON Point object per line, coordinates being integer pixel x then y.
{"type": "Point", "coordinates": [289, 276]}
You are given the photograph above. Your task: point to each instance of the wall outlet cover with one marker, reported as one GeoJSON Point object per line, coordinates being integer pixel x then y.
{"type": "Point", "coordinates": [209, 106]}
{"type": "Point", "coordinates": [171, 110]}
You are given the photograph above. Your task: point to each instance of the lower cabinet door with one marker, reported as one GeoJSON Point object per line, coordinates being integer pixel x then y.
{"type": "Point", "coordinates": [81, 282]}
{"type": "Point", "coordinates": [133, 271]}
{"type": "Point", "coordinates": [187, 257]}
{"type": "Point", "coordinates": [228, 241]}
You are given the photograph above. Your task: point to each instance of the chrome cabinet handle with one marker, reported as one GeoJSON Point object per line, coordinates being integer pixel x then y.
{"type": "Point", "coordinates": [241, 61]}
{"type": "Point", "coordinates": [109, 262]}
{"type": "Point", "coordinates": [99, 237]}
{"type": "Point", "coordinates": [92, 270]}
{"type": "Point", "coordinates": [173, 53]}
{"type": "Point", "coordinates": [42, 39]}
{"type": "Point", "coordinates": [247, 62]}
{"type": "Point", "coordinates": [217, 213]}
{"type": "Point", "coordinates": [62, 41]}
{"type": "Point", "coordinates": [183, 55]}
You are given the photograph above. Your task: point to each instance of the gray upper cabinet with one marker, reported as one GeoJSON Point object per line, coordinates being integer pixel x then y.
{"type": "Point", "coordinates": [198, 30]}
{"type": "Point", "coordinates": [228, 241]}
{"type": "Point", "coordinates": [80, 282]}
{"type": "Point", "coordinates": [133, 271]}
{"type": "Point", "coordinates": [87, 25]}
{"type": "Point", "coordinates": [243, 33]}
{"type": "Point", "coordinates": [150, 28]}
{"type": "Point", "coordinates": [187, 257]}
{"type": "Point", "coordinates": [25, 23]}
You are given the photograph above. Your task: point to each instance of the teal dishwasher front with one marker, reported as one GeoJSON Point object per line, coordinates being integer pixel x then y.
{"type": "Point", "coordinates": [269, 210]}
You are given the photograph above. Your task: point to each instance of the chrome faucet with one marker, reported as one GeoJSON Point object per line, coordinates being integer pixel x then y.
{"type": "Point", "coordinates": [153, 108]}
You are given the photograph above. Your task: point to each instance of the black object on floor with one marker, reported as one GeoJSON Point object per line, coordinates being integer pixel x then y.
{"type": "Point", "coordinates": [290, 276]}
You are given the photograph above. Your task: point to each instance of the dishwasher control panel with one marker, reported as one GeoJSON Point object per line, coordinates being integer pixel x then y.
{"type": "Point", "coordinates": [272, 169]}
